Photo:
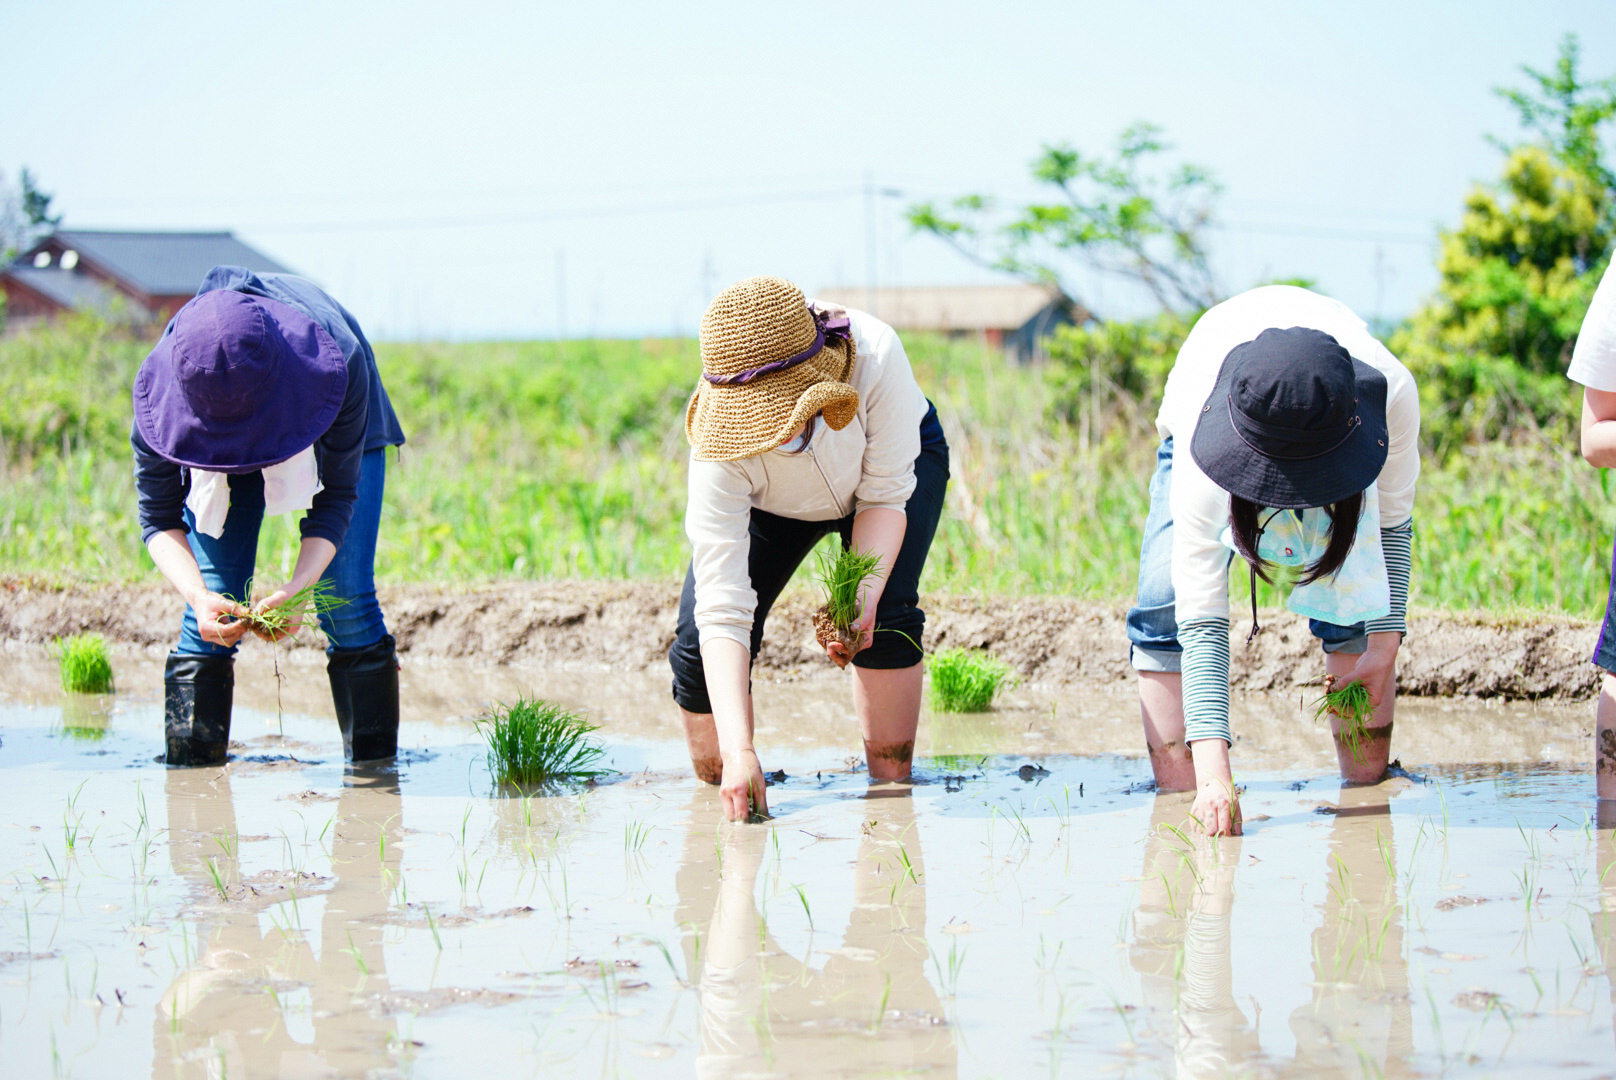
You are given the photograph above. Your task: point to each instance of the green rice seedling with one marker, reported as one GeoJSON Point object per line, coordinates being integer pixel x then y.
{"type": "Point", "coordinates": [218, 880]}
{"type": "Point", "coordinates": [85, 662]}
{"type": "Point", "coordinates": [965, 680]}
{"type": "Point", "coordinates": [806, 910]}
{"type": "Point", "coordinates": [538, 742]}
{"type": "Point", "coordinates": [842, 574]}
{"type": "Point", "coordinates": [1351, 704]}
{"type": "Point", "coordinates": [305, 604]}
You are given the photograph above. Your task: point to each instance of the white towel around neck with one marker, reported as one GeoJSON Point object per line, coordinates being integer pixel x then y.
{"type": "Point", "coordinates": [288, 486]}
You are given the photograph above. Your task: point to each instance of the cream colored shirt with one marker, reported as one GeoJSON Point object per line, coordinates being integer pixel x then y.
{"type": "Point", "coordinates": [1200, 507]}
{"type": "Point", "coordinates": [869, 463]}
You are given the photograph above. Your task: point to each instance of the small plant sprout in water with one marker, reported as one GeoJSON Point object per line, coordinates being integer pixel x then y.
{"type": "Point", "coordinates": [966, 680]}
{"type": "Point", "coordinates": [535, 742]}
{"type": "Point", "coordinates": [85, 662]}
{"type": "Point", "coordinates": [1351, 704]}
{"type": "Point", "coordinates": [842, 575]}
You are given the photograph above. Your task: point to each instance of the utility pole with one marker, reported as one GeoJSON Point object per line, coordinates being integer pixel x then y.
{"type": "Point", "coordinates": [869, 242]}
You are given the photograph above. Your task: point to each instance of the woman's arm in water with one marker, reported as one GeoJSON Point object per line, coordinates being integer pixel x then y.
{"type": "Point", "coordinates": [729, 667]}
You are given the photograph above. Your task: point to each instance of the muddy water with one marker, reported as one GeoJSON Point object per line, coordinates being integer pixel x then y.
{"type": "Point", "coordinates": [1028, 909]}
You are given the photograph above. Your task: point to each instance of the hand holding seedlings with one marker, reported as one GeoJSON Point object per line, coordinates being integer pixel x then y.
{"type": "Point", "coordinates": [219, 619]}
{"type": "Point", "coordinates": [1350, 703]}
{"type": "Point", "coordinates": [281, 614]}
{"type": "Point", "coordinates": [844, 625]}
{"type": "Point", "coordinates": [742, 788]}
{"type": "Point", "coordinates": [1217, 800]}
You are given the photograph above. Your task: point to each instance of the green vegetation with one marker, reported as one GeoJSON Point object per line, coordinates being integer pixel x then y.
{"type": "Point", "coordinates": [535, 742]}
{"type": "Point", "coordinates": [85, 662]}
{"type": "Point", "coordinates": [842, 573]}
{"type": "Point", "coordinates": [555, 460]}
{"type": "Point", "coordinates": [537, 461]}
{"type": "Point", "coordinates": [1351, 704]}
{"type": "Point", "coordinates": [965, 680]}
{"type": "Point", "coordinates": [1490, 348]}
{"type": "Point", "coordinates": [303, 605]}
{"type": "Point", "coordinates": [1126, 216]}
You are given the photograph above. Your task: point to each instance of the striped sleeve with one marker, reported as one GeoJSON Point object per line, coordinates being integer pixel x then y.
{"type": "Point", "coordinates": [1398, 546]}
{"type": "Point", "coordinates": [1205, 678]}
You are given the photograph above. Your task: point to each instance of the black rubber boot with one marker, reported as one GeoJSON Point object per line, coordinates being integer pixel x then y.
{"type": "Point", "coordinates": [197, 695]}
{"type": "Point", "coordinates": [364, 688]}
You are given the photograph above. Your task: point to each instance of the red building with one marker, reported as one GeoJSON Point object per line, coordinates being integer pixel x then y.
{"type": "Point", "coordinates": [138, 276]}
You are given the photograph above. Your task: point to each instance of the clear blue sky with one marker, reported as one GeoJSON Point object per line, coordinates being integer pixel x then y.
{"type": "Point", "coordinates": [502, 169]}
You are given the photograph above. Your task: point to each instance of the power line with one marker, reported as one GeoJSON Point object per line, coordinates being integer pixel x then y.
{"type": "Point", "coordinates": [576, 214]}
{"type": "Point", "coordinates": [1364, 235]}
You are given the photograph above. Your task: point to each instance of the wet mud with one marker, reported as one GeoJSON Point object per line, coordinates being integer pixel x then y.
{"type": "Point", "coordinates": [622, 626]}
{"type": "Point", "coordinates": [1027, 906]}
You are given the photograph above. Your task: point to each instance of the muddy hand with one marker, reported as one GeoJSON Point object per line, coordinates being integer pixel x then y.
{"type": "Point", "coordinates": [840, 654]}
{"type": "Point", "coordinates": [1377, 670]}
{"type": "Point", "coordinates": [217, 618]}
{"type": "Point", "coordinates": [741, 789]}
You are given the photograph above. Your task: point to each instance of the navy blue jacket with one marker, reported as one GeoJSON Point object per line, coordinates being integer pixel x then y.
{"type": "Point", "coordinates": [365, 422]}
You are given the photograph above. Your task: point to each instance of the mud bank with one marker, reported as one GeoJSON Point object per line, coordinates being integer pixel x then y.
{"type": "Point", "coordinates": [629, 625]}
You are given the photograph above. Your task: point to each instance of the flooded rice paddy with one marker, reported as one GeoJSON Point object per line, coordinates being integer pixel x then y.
{"type": "Point", "coordinates": [1028, 908]}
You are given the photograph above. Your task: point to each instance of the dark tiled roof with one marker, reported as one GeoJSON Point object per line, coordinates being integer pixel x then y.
{"type": "Point", "coordinates": [164, 263]}
{"type": "Point", "coordinates": [71, 290]}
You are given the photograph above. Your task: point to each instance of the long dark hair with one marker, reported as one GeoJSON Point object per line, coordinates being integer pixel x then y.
{"type": "Point", "coordinates": [1244, 523]}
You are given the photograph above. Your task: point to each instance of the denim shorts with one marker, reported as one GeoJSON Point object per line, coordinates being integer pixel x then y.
{"type": "Point", "coordinates": [1152, 622]}
{"type": "Point", "coordinates": [1605, 651]}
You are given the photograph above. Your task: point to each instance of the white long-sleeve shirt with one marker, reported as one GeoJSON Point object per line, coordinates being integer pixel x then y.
{"type": "Point", "coordinates": [1593, 359]}
{"type": "Point", "coordinates": [869, 463]}
{"type": "Point", "coordinates": [1201, 509]}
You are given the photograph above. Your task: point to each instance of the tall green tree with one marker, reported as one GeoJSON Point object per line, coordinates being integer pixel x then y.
{"type": "Point", "coordinates": [1128, 215]}
{"type": "Point", "coordinates": [1491, 346]}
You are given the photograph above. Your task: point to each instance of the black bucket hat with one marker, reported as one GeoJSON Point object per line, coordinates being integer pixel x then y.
{"type": "Point", "coordinates": [1293, 422]}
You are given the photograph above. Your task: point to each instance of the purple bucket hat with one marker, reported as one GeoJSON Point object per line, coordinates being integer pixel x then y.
{"type": "Point", "coordinates": [238, 383]}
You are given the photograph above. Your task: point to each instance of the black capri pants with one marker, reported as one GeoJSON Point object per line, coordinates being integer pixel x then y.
{"type": "Point", "coordinates": [779, 544]}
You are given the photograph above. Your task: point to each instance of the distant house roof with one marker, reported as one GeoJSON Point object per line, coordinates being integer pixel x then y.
{"type": "Point", "coordinates": [77, 291]}
{"type": "Point", "coordinates": [950, 307]}
{"type": "Point", "coordinates": [162, 263]}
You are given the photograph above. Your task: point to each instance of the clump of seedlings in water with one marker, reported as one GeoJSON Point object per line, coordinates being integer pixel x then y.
{"type": "Point", "coordinates": [85, 662]}
{"type": "Point", "coordinates": [842, 575]}
{"type": "Point", "coordinates": [965, 680]}
{"type": "Point", "coordinates": [535, 742]}
{"type": "Point", "coordinates": [1351, 703]}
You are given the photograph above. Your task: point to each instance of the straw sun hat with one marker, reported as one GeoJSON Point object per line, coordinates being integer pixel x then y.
{"type": "Point", "coordinates": [769, 362]}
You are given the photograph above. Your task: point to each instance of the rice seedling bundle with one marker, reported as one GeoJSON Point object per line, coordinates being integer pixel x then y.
{"type": "Point", "coordinates": [305, 604]}
{"type": "Point", "coordinates": [1351, 704]}
{"type": "Point", "coordinates": [842, 575]}
{"type": "Point", "coordinates": [85, 662]}
{"type": "Point", "coordinates": [535, 742]}
{"type": "Point", "coordinates": [965, 680]}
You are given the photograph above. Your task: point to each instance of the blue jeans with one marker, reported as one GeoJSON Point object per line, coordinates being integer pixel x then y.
{"type": "Point", "coordinates": [227, 562]}
{"type": "Point", "coordinates": [1153, 622]}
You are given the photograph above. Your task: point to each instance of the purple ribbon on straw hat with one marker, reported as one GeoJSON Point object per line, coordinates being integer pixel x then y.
{"type": "Point", "coordinates": [828, 329]}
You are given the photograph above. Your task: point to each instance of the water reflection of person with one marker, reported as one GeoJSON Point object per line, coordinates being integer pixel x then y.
{"type": "Point", "coordinates": [219, 1016]}
{"type": "Point", "coordinates": [1603, 919]}
{"type": "Point", "coordinates": [760, 1006]}
{"type": "Point", "coordinates": [1360, 1020]}
{"type": "Point", "coordinates": [1181, 947]}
